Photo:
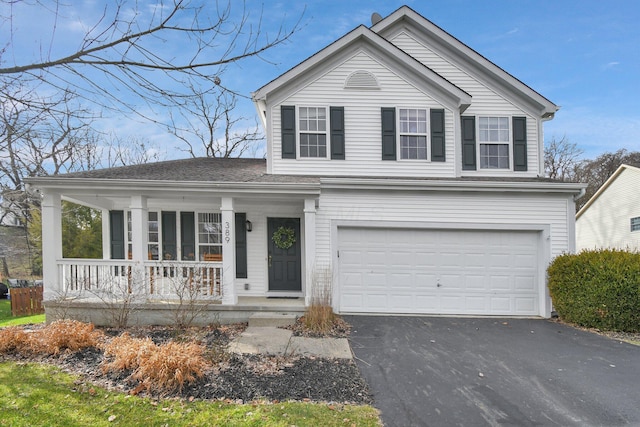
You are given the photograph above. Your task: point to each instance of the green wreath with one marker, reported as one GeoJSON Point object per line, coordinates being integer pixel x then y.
{"type": "Point", "coordinates": [284, 237]}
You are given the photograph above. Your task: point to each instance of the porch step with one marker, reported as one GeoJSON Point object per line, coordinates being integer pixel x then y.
{"type": "Point", "coordinates": [272, 319]}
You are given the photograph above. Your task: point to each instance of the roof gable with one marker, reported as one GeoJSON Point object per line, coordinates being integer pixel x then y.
{"type": "Point", "coordinates": [362, 38]}
{"type": "Point", "coordinates": [408, 20]}
{"type": "Point", "coordinates": [607, 184]}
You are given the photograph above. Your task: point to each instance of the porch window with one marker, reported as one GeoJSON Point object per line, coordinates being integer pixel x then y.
{"type": "Point", "coordinates": [209, 236]}
{"type": "Point", "coordinates": [153, 235]}
{"type": "Point", "coordinates": [129, 236]}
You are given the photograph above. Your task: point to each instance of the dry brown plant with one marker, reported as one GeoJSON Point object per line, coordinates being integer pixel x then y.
{"type": "Point", "coordinates": [157, 368]}
{"type": "Point", "coordinates": [319, 316]}
{"type": "Point", "coordinates": [60, 335]}
{"type": "Point", "coordinates": [14, 339]}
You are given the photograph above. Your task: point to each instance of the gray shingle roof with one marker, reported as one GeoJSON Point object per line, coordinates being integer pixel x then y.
{"type": "Point", "coordinates": [201, 169]}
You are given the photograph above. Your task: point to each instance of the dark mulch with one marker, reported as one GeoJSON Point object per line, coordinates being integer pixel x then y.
{"type": "Point", "coordinates": [241, 378]}
{"type": "Point", "coordinates": [339, 329]}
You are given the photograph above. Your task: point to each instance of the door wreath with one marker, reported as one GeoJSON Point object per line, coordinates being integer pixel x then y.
{"type": "Point", "coordinates": [284, 237]}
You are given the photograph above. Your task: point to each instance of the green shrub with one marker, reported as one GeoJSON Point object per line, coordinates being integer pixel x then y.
{"type": "Point", "coordinates": [597, 289]}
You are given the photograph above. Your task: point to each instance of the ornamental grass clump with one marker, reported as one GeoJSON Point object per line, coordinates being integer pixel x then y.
{"type": "Point", "coordinates": [319, 316]}
{"type": "Point", "coordinates": [69, 335]}
{"type": "Point", "coordinates": [162, 368]}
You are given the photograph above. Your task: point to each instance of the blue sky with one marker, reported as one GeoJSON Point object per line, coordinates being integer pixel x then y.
{"type": "Point", "coordinates": [583, 55]}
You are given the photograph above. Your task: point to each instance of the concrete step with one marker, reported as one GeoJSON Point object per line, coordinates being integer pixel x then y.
{"type": "Point", "coordinates": [272, 319]}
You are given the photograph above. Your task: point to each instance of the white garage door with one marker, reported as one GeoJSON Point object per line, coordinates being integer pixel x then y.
{"type": "Point", "coordinates": [426, 271]}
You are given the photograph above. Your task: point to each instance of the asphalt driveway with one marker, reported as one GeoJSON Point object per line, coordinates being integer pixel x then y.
{"type": "Point", "coordinates": [438, 371]}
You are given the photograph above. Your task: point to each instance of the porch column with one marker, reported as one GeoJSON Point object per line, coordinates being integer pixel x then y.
{"type": "Point", "coordinates": [309, 246]}
{"type": "Point", "coordinates": [106, 235]}
{"type": "Point", "coordinates": [228, 252]}
{"type": "Point", "coordinates": [51, 244]}
{"type": "Point", "coordinates": [139, 231]}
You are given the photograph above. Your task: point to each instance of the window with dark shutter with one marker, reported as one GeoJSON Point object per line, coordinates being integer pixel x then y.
{"type": "Point", "coordinates": [241, 245]}
{"type": "Point", "coordinates": [520, 143]}
{"type": "Point", "coordinates": [116, 225]}
{"type": "Point", "coordinates": [337, 132]}
{"type": "Point", "coordinates": [388, 120]}
{"type": "Point", "coordinates": [468, 143]}
{"type": "Point", "coordinates": [288, 126]}
{"type": "Point", "coordinates": [437, 136]}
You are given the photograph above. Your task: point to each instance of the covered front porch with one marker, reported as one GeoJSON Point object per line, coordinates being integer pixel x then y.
{"type": "Point", "coordinates": [167, 242]}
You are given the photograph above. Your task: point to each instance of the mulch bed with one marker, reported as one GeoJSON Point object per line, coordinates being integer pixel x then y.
{"type": "Point", "coordinates": [238, 378]}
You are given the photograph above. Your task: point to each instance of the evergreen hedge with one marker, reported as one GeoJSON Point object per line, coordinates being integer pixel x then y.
{"type": "Point", "coordinates": [597, 289]}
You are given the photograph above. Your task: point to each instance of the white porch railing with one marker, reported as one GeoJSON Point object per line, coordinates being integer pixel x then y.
{"type": "Point", "coordinates": [186, 280]}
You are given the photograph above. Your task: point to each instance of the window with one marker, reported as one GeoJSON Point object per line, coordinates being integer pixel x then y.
{"type": "Point", "coordinates": [635, 224]}
{"type": "Point", "coordinates": [209, 234]}
{"type": "Point", "coordinates": [129, 236]}
{"type": "Point", "coordinates": [153, 235]}
{"type": "Point", "coordinates": [494, 138]}
{"type": "Point", "coordinates": [413, 133]}
{"type": "Point", "coordinates": [313, 131]}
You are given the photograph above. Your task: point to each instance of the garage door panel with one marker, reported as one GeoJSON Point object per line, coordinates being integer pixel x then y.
{"type": "Point", "coordinates": [398, 270]}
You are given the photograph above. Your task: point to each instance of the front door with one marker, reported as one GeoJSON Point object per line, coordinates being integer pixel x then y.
{"type": "Point", "coordinates": [285, 255]}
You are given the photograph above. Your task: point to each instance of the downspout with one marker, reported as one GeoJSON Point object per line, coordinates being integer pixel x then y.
{"type": "Point", "coordinates": [580, 194]}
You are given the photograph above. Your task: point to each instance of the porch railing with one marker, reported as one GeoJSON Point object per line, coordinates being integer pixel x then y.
{"type": "Point", "coordinates": [154, 279]}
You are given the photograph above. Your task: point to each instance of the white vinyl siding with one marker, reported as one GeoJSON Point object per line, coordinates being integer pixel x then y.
{"type": "Point", "coordinates": [606, 223]}
{"type": "Point", "coordinates": [486, 100]}
{"type": "Point", "coordinates": [363, 142]}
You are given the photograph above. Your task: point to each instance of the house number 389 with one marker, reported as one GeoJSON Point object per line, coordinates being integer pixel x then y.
{"type": "Point", "coordinates": [227, 232]}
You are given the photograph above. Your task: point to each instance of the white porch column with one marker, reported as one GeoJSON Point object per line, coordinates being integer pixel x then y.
{"type": "Point", "coordinates": [228, 252]}
{"type": "Point", "coordinates": [51, 244]}
{"type": "Point", "coordinates": [106, 235]}
{"type": "Point", "coordinates": [139, 234]}
{"type": "Point", "coordinates": [309, 246]}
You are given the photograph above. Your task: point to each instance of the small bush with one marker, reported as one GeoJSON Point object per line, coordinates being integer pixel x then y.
{"type": "Point", "coordinates": [60, 335]}
{"type": "Point", "coordinates": [597, 289]}
{"type": "Point", "coordinates": [319, 318]}
{"type": "Point", "coordinates": [164, 368]}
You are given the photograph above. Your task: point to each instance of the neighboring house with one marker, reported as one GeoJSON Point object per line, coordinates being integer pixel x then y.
{"type": "Point", "coordinates": [611, 218]}
{"type": "Point", "coordinates": [400, 162]}
{"type": "Point", "coordinates": [7, 217]}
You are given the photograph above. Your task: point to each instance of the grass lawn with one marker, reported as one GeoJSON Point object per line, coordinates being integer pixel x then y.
{"type": "Point", "coordinates": [34, 394]}
{"type": "Point", "coordinates": [6, 319]}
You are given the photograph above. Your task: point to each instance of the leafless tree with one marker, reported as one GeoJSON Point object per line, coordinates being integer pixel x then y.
{"type": "Point", "coordinates": [207, 126]}
{"type": "Point", "coordinates": [126, 151]}
{"type": "Point", "coordinates": [125, 51]}
{"type": "Point", "coordinates": [597, 171]}
{"type": "Point", "coordinates": [560, 159]}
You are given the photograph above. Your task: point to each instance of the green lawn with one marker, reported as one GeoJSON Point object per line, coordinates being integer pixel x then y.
{"type": "Point", "coordinates": [6, 319]}
{"type": "Point", "coordinates": [34, 394]}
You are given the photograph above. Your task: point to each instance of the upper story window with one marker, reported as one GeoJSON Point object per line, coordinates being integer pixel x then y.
{"type": "Point", "coordinates": [313, 131]}
{"type": "Point", "coordinates": [494, 138]}
{"type": "Point", "coordinates": [635, 224]}
{"type": "Point", "coordinates": [413, 133]}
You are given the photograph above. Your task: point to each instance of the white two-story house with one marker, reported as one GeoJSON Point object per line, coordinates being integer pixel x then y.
{"type": "Point", "coordinates": [404, 173]}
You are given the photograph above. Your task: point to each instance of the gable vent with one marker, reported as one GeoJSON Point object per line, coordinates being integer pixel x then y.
{"type": "Point", "coordinates": [361, 79]}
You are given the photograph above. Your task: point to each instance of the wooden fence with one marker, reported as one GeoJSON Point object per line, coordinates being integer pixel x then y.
{"type": "Point", "coordinates": [26, 301]}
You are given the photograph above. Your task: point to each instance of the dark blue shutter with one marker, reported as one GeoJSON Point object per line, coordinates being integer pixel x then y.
{"type": "Point", "coordinates": [437, 136]}
{"type": "Point", "coordinates": [520, 143]}
{"type": "Point", "coordinates": [241, 245]}
{"type": "Point", "coordinates": [288, 124]}
{"type": "Point", "coordinates": [388, 133]}
{"type": "Point", "coordinates": [468, 143]}
{"type": "Point", "coordinates": [169, 241]}
{"type": "Point", "coordinates": [188, 236]}
{"type": "Point", "coordinates": [117, 230]}
{"type": "Point", "coordinates": [336, 115]}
